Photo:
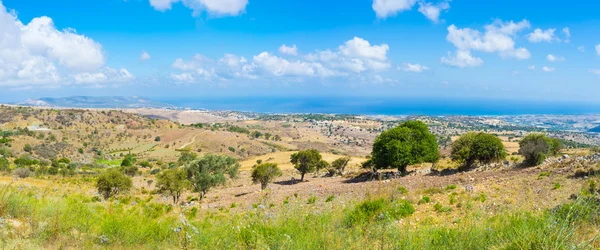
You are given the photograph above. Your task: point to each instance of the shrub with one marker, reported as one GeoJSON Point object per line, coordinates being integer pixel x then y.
{"type": "Point", "coordinates": [408, 144]}
{"type": "Point", "coordinates": [330, 198]}
{"type": "Point", "coordinates": [473, 147]}
{"type": "Point", "coordinates": [4, 165]}
{"type": "Point", "coordinates": [265, 173]}
{"type": "Point", "coordinates": [157, 139]}
{"type": "Point", "coordinates": [424, 200]}
{"type": "Point", "coordinates": [451, 187]}
{"type": "Point", "coordinates": [339, 165]}
{"type": "Point", "coordinates": [379, 209]}
{"type": "Point", "coordinates": [130, 170]}
{"type": "Point", "coordinates": [402, 190]}
{"type": "Point", "coordinates": [22, 172]}
{"type": "Point", "coordinates": [535, 147]}
{"type": "Point", "coordinates": [155, 171]}
{"type": "Point", "coordinates": [28, 148]}
{"type": "Point", "coordinates": [312, 200]}
{"type": "Point", "coordinates": [113, 182]}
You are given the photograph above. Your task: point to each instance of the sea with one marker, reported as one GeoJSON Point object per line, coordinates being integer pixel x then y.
{"type": "Point", "coordinates": [383, 106]}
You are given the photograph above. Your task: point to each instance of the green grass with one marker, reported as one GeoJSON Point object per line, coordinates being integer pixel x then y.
{"type": "Point", "coordinates": [115, 162]}
{"type": "Point", "coordinates": [50, 220]}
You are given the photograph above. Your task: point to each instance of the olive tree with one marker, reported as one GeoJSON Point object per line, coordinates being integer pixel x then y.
{"type": "Point", "coordinates": [535, 147]}
{"type": "Point", "coordinates": [210, 171]}
{"type": "Point", "coordinates": [339, 165]}
{"type": "Point", "coordinates": [112, 182]}
{"type": "Point", "coordinates": [172, 182]}
{"type": "Point", "coordinates": [408, 144]}
{"type": "Point", "coordinates": [306, 161]}
{"type": "Point", "coordinates": [474, 147]}
{"type": "Point", "coordinates": [265, 173]}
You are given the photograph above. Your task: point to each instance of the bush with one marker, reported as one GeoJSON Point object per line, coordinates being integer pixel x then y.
{"type": "Point", "coordinates": [306, 161]}
{"type": "Point", "coordinates": [265, 173]}
{"type": "Point", "coordinates": [4, 165]}
{"type": "Point", "coordinates": [473, 147]}
{"type": "Point", "coordinates": [535, 147]}
{"type": "Point", "coordinates": [157, 139]}
{"type": "Point", "coordinates": [22, 172]}
{"type": "Point", "coordinates": [113, 182]}
{"type": "Point", "coordinates": [339, 165]}
{"type": "Point", "coordinates": [155, 171]}
{"type": "Point", "coordinates": [408, 144]}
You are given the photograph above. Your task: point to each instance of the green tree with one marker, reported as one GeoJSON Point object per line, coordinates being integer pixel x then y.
{"type": "Point", "coordinates": [128, 161]}
{"type": "Point", "coordinates": [556, 145]}
{"type": "Point", "coordinates": [157, 139]}
{"type": "Point", "coordinates": [268, 136]}
{"type": "Point", "coordinates": [265, 173]}
{"type": "Point", "coordinates": [112, 182]}
{"type": "Point", "coordinates": [186, 157]}
{"type": "Point", "coordinates": [27, 148]}
{"type": "Point", "coordinates": [535, 147]}
{"type": "Point", "coordinates": [209, 172]}
{"type": "Point", "coordinates": [306, 161]}
{"type": "Point", "coordinates": [172, 182]}
{"type": "Point", "coordinates": [408, 144]}
{"type": "Point", "coordinates": [339, 165]}
{"type": "Point", "coordinates": [474, 147]}
{"type": "Point", "coordinates": [4, 165]}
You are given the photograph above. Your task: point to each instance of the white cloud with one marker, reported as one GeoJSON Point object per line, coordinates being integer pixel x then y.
{"type": "Point", "coordinates": [106, 75]}
{"type": "Point", "coordinates": [38, 54]}
{"type": "Point", "coordinates": [497, 38]}
{"type": "Point", "coordinates": [417, 68]}
{"type": "Point", "coordinates": [284, 49]}
{"type": "Point", "coordinates": [553, 58]}
{"type": "Point", "coordinates": [532, 67]}
{"type": "Point", "coordinates": [567, 32]}
{"type": "Point", "coordinates": [595, 71]}
{"type": "Point", "coordinates": [539, 35]}
{"type": "Point", "coordinates": [598, 49]}
{"type": "Point", "coordinates": [462, 59]}
{"type": "Point", "coordinates": [386, 8]}
{"type": "Point", "coordinates": [183, 77]}
{"type": "Point", "coordinates": [548, 69]}
{"type": "Point", "coordinates": [581, 48]}
{"type": "Point", "coordinates": [432, 11]}
{"type": "Point", "coordinates": [144, 56]}
{"type": "Point", "coordinates": [214, 7]}
{"type": "Point", "coordinates": [356, 57]}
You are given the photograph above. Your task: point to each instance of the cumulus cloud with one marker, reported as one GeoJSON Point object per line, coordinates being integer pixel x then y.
{"type": "Point", "coordinates": [539, 35]}
{"type": "Point", "coordinates": [462, 59]}
{"type": "Point", "coordinates": [144, 56]}
{"type": "Point", "coordinates": [432, 11]}
{"type": "Point", "coordinates": [598, 49]}
{"type": "Point", "coordinates": [498, 37]}
{"type": "Point", "coordinates": [106, 75]}
{"type": "Point", "coordinates": [38, 54]}
{"type": "Point", "coordinates": [284, 49]}
{"type": "Point", "coordinates": [553, 58]}
{"type": "Point", "coordinates": [548, 69]}
{"type": "Point", "coordinates": [595, 71]}
{"type": "Point", "coordinates": [532, 67]}
{"type": "Point", "coordinates": [355, 56]}
{"type": "Point", "coordinates": [214, 7]}
{"type": "Point", "coordinates": [386, 8]}
{"type": "Point", "coordinates": [416, 68]}
{"type": "Point", "coordinates": [581, 48]}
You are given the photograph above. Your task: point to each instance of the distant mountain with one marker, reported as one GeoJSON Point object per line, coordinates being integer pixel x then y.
{"type": "Point", "coordinates": [595, 130]}
{"type": "Point", "coordinates": [96, 102]}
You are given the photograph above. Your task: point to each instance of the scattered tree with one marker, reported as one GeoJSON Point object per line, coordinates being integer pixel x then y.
{"type": "Point", "coordinates": [27, 148]}
{"type": "Point", "coordinates": [112, 182]}
{"type": "Point", "coordinates": [186, 157]}
{"type": "Point", "coordinates": [339, 165]}
{"type": "Point", "coordinates": [535, 147]}
{"type": "Point", "coordinates": [474, 147]}
{"type": "Point", "coordinates": [556, 145]}
{"type": "Point", "coordinates": [209, 172]}
{"type": "Point", "coordinates": [408, 144]}
{"type": "Point", "coordinates": [172, 182]}
{"type": "Point", "coordinates": [157, 139]}
{"type": "Point", "coordinates": [306, 161]}
{"type": "Point", "coordinates": [265, 173]}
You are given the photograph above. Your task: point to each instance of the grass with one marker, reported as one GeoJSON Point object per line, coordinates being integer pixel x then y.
{"type": "Point", "coordinates": [39, 218]}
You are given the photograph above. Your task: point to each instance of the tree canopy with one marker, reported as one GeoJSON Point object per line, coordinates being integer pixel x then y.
{"type": "Point", "coordinates": [210, 171]}
{"type": "Point", "coordinates": [474, 147]}
{"type": "Point", "coordinates": [306, 161]}
{"type": "Point", "coordinates": [172, 182]}
{"type": "Point", "coordinates": [113, 182]}
{"type": "Point", "coordinates": [408, 144]}
{"type": "Point", "coordinates": [535, 147]}
{"type": "Point", "coordinates": [265, 173]}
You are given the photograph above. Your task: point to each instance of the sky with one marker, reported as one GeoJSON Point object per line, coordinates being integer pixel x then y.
{"type": "Point", "coordinates": [460, 49]}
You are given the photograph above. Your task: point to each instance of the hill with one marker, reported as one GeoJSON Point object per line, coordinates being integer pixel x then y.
{"type": "Point", "coordinates": [96, 102]}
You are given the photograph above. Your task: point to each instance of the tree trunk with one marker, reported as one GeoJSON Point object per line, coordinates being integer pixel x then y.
{"type": "Point", "coordinates": [302, 178]}
{"type": "Point", "coordinates": [263, 185]}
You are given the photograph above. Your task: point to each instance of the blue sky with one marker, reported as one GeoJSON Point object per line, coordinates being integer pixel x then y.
{"type": "Point", "coordinates": [396, 48]}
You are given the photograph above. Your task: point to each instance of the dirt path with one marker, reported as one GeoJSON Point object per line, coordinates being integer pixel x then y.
{"type": "Point", "coordinates": [190, 142]}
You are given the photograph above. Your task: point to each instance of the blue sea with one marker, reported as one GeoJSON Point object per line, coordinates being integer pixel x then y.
{"type": "Point", "coordinates": [383, 106]}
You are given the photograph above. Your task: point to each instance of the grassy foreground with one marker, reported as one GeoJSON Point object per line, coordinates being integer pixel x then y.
{"type": "Point", "coordinates": [32, 218]}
